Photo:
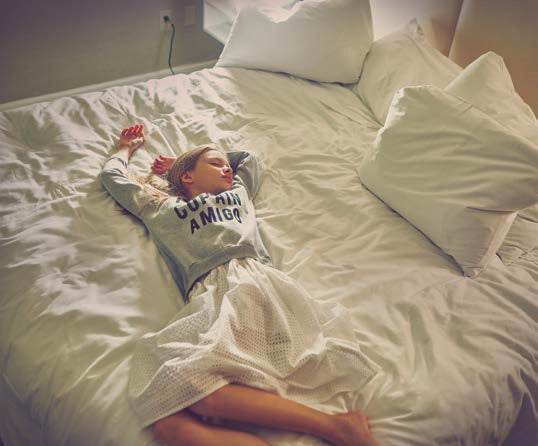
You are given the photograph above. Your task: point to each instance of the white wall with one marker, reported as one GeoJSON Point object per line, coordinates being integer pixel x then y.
{"type": "Point", "coordinates": [56, 45]}
{"type": "Point", "coordinates": [437, 17]}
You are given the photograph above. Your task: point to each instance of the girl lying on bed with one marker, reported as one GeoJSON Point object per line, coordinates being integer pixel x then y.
{"type": "Point", "coordinates": [249, 333]}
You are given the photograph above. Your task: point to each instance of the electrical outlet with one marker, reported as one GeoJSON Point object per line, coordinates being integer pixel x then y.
{"type": "Point", "coordinates": [165, 26]}
{"type": "Point", "coordinates": [189, 15]}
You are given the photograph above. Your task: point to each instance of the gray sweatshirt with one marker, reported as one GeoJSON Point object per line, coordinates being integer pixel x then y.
{"type": "Point", "coordinates": [198, 235]}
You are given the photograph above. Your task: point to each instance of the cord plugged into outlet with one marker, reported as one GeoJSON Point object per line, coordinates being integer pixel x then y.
{"type": "Point", "coordinates": [166, 22]}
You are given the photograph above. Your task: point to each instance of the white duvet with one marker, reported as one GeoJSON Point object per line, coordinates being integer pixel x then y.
{"type": "Point", "coordinates": [80, 283]}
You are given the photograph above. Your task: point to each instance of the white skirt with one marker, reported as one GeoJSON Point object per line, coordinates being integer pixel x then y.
{"type": "Point", "coordinates": [252, 324]}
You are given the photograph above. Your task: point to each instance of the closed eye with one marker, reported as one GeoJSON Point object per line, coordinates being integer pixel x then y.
{"type": "Point", "coordinates": [217, 161]}
{"type": "Point", "coordinates": [219, 164]}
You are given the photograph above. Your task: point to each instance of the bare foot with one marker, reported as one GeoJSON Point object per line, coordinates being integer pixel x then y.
{"type": "Point", "coordinates": [351, 429]}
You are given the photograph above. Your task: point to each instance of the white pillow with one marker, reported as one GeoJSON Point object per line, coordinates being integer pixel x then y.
{"type": "Point", "coordinates": [486, 83]}
{"type": "Point", "coordinates": [320, 40]}
{"type": "Point", "coordinates": [454, 173]}
{"type": "Point", "coordinates": [401, 59]}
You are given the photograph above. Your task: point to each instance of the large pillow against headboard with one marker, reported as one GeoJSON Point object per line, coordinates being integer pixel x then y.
{"type": "Point", "coordinates": [324, 41]}
{"type": "Point", "coordinates": [507, 28]}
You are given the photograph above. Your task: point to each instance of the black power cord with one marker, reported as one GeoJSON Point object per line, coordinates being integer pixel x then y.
{"type": "Point", "coordinates": [167, 20]}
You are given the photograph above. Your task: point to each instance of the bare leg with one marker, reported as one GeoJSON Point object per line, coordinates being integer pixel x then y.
{"type": "Point", "coordinates": [242, 403]}
{"type": "Point", "coordinates": [185, 429]}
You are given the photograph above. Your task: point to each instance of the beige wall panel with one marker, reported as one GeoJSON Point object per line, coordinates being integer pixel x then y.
{"type": "Point", "coordinates": [438, 18]}
{"type": "Point", "coordinates": [509, 28]}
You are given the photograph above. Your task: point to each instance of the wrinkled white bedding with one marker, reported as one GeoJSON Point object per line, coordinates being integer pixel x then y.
{"type": "Point", "coordinates": [81, 282]}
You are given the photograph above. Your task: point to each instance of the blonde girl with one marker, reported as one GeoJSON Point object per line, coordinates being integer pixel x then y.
{"type": "Point", "coordinates": [250, 345]}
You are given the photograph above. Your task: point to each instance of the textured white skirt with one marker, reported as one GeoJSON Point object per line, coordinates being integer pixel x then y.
{"type": "Point", "coordinates": [252, 324]}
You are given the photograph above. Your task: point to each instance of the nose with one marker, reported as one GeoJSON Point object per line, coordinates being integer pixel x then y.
{"type": "Point", "coordinates": [227, 169]}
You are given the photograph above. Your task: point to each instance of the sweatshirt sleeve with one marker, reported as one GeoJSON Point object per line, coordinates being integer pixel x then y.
{"type": "Point", "coordinates": [115, 180]}
{"type": "Point", "coordinates": [247, 170]}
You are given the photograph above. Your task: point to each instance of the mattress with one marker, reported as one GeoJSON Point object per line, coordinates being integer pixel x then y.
{"type": "Point", "coordinates": [81, 282]}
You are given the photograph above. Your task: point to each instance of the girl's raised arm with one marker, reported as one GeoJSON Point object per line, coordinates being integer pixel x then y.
{"type": "Point", "coordinates": [246, 169]}
{"type": "Point", "coordinates": [114, 174]}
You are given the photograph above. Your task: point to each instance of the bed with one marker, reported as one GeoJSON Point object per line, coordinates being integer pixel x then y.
{"type": "Point", "coordinates": [457, 346]}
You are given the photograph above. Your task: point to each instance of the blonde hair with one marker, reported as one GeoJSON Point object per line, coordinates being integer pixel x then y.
{"type": "Point", "coordinates": [158, 189]}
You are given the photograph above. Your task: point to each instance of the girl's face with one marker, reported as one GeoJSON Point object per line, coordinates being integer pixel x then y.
{"type": "Point", "coordinates": [211, 174]}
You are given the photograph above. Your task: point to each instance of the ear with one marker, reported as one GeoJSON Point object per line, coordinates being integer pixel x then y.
{"type": "Point", "coordinates": [186, 177]}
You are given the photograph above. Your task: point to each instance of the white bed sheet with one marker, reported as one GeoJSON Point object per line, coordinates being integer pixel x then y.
{"type": "Point", "coordinates": [80, 282]}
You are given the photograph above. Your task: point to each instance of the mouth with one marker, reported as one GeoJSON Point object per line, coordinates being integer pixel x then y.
{"type": "Point", "coordinates": [228, 179]}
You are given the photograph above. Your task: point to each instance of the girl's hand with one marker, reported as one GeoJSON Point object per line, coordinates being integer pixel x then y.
{"type": "Point", "coordinates": [131, 139]}
{"type": "Point", "coordinates": [162, 164]}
